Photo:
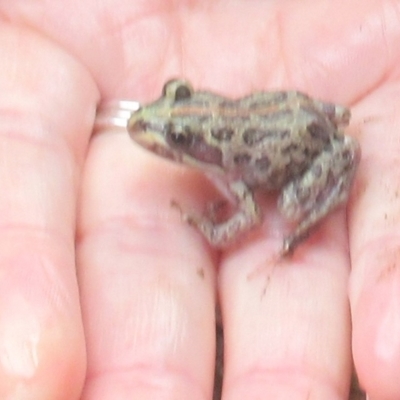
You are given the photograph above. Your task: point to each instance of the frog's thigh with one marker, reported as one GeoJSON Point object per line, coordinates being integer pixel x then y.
{"type": "Point", "coordinates": [323, 186]}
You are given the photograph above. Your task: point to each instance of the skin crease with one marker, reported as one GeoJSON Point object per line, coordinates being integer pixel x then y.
{"type": "Point", "coordinates": [147, 306]}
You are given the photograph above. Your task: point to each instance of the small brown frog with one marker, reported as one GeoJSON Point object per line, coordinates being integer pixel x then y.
{"type": "Point", "coordinates": [280, 141]}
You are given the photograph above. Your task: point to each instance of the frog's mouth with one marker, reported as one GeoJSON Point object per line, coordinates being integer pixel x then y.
{"type": "Point", "coordinates": [163, 151]}
{"type": "Point", "coordinates": [155, 143]}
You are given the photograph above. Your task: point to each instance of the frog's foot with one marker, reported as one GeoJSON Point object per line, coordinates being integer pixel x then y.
{"type": "Point", "coordinates": [204, 224]}
{"type": "Point", "coordinates": [247, 216]}
{"type": "Point", "coordinates": [220, 234]}
{"type": "Point", "coordinates": [224, 233]}
{"type": "Point", "coordinates": [323, 187]}
{"type": "Point", "coordinates": [290, 242]}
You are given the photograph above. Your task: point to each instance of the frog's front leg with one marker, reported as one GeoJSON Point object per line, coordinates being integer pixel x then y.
{"type": "Point", "coordinates": [245, 217]}
{"type": "Point", "coordinates": [325, 185]}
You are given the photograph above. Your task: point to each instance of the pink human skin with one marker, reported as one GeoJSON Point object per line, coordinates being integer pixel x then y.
{"type": "Point", "coordinates": [105, 293]}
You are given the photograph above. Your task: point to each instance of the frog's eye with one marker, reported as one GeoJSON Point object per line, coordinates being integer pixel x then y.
{"type": "Point", "coordinates": [177, 89]}
{"type": "Point", "coordinates": [182, 92]}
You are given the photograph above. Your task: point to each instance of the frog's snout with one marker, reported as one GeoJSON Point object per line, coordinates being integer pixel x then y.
{"type": "Point", "coordinates": [136, 126]}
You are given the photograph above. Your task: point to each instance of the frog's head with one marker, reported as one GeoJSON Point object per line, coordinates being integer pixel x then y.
{"type": "Point", "coordinates": [164, 128]}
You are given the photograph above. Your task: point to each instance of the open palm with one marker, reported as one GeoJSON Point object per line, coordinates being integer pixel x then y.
{"type": "Point", "coordinates": [105, 293]}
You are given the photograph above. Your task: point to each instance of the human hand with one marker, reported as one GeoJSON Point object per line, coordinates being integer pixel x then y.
{"type": "Point", "coordinates": [147, 282]}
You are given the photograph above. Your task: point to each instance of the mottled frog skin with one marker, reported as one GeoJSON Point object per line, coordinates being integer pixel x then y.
{"type": "Point", "coordinates": [280, 141]}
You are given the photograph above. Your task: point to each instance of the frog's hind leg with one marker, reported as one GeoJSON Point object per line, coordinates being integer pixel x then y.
{"type": "Point", "coordinates": [324, 186]}
{"type": "Point", "coordinates": [338, 115]}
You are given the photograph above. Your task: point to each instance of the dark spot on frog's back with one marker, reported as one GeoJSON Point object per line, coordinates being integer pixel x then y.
{"type": "Point", "coordinates": [222, 134]}
{"type": "Point", "coordinates": [318, 130]}
{"type": "Point", "coordinates": [290, 148]}
{"type": "Point", "coordinates": [254, 136]}
{"type": "Point", "coordinates": [263, 163]}
{"type": "Point", "coordinates": [242, 159]}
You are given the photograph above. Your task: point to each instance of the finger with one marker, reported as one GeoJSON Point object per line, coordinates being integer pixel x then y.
{"type": "Point", "coordinates": [46, 111]}
{"type": "Point", "coordinates": [287, 326]}
{"type": "Point", "coordinates": [375, 279]}
{"type": "Point", "coordinates": [147, 285]}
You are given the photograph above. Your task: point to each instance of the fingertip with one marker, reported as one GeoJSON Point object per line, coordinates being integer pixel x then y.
{"type": "Point", "coordinates": [376, 339]}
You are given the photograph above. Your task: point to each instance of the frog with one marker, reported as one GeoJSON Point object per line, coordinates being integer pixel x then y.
{"type": "Point", "coordinates": [282, 142]}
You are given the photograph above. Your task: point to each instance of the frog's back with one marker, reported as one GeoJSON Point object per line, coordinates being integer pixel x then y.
{"type": "Point", "coordinates": [266, 139]}
{"type": "Point", "coordinates": [280, 151]}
